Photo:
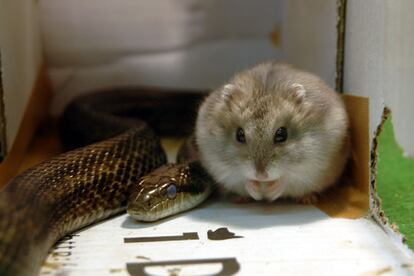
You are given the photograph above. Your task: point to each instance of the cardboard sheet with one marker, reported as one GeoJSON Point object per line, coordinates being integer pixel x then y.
{"type": "Point", "coordinates": [350, 199]}
{"type": "Point", "coordinates": [267, 239]}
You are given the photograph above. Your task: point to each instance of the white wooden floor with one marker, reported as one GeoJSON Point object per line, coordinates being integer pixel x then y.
{"type": "Point", "coordinates": [277, 239]}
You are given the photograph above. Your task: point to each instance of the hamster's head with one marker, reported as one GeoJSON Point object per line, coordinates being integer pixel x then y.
{"type": "Point", "coordinates": [252, 135]}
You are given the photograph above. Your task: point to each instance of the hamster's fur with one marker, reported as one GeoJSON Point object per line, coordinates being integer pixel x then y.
{"type": "Point", "coordinates": [260, 101]}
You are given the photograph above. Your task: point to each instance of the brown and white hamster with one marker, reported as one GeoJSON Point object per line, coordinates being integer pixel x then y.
{"type": "Point", "coordinates": [273, 131]}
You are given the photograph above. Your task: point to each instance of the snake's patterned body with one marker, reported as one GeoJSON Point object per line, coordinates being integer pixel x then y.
{"type": "Point", "coordinates": [91, 183]}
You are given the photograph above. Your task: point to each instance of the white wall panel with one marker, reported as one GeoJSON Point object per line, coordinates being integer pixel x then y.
{"type": "Point", "coordinates": [309, 36]}
{"type": "Point", "coordinates": [379, 61]}
{"type": "Point", "coordinates": [20, 48]}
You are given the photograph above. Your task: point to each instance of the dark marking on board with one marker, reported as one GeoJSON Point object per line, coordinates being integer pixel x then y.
{"type": "Point", "coordinates": [143, 258]}
{"type": "Point", "coordinates": [61, 246]}
{"type": "Point", "coordinates": [221, 234]}
{"type": "Point", "coordinates": [65, 242]}
{"type": "Point", "coordinates": [64, 247]}
{"type": "Point", "coordinates": [69, 237]}
{"type": "Point", "coordinates": [230, 266]}
{"type": "Point", "coordinates": [116, 270]}
{"type": "Point", "coordinates": [184, 236]}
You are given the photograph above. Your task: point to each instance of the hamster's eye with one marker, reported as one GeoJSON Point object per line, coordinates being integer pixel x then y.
{"type": "Point", "coordinates": [240, 137]}
{"type": "Point", "coordinates": [280, 135]}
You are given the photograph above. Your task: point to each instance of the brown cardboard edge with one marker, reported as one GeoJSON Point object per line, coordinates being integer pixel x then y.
{"type": "Point", "coordinates": [35, 113]}
{"type": "Point", "coordinates": [376, 211]}
{"type": "Point", "coordinates": [3, 140]}
{"type": "Point", "coordinates": [350, 198]}
{"type": "Point", "coordinates": [340, 43]}
{"type": "Point", "coordinates": [375, 200]}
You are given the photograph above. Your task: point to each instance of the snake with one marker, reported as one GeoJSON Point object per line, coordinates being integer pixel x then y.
{"type": "Point", "coordinates": [114, 162]}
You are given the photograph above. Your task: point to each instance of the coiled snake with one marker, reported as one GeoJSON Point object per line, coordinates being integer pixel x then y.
{"type": "Point", "coordinates": [91, 183]}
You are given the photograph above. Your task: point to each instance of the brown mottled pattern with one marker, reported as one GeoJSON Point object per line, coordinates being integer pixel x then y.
{"type": "Point", "coordinates": [88, 184]}
{"type": "Point", "coordinates": [70, 192]}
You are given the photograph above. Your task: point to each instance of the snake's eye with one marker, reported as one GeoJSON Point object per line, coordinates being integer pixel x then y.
{"type": "Point", "coordinates": [171, 191]}
{"type": "Point", "coordinates": [240, 137]}
{"type": "Point", "coordinates": [280, 135]}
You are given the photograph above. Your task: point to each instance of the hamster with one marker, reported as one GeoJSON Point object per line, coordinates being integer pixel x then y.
{"type": "Point", "coordinates": [274, 131]}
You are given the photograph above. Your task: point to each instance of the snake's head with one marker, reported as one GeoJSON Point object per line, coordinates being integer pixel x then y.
{"type": "Point", "coordinates": [169, 190]}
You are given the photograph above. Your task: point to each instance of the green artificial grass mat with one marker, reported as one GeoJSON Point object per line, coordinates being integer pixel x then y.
{"type": "Point", "coordinates": [396, 183]}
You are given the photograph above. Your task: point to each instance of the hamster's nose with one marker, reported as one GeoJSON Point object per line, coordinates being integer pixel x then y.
{"type": "Point", "coordinates": [261, 173]}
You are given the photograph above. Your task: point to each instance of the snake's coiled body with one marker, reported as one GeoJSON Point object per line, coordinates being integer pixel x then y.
{"type": "Point", "coordinates": [85, 185]}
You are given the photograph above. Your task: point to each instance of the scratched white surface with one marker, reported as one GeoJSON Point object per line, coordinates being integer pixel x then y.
{"type": "Point", "coordinates": [278, 239]}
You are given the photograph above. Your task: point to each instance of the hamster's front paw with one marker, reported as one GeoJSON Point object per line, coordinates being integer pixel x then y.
{"type": "Point", "coordinates": [269, 191]}
{"type": "Point", "coordinates": [308, 199]}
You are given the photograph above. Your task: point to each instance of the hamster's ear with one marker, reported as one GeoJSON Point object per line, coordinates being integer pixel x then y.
{"type": "Point", "coordinates": [299, 91]}
{"type": "Point", "coordinates": [232, 95]}
{"type": "Point", "coordinates": [229, 90]}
